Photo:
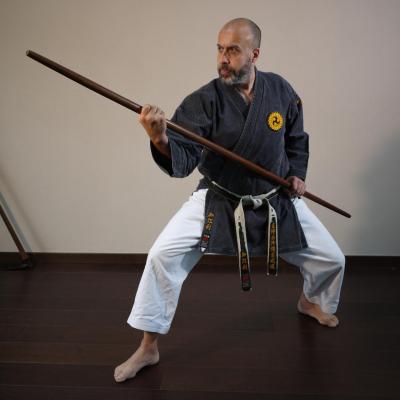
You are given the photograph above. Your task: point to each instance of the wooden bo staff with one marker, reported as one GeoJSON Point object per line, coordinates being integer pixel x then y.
{"type": "Point", "coordinates": [176, 128]}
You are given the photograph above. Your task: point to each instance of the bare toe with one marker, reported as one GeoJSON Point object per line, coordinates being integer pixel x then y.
{"type": "Point", "coordinates": [332, 321]}
{"type": "Point", "coordinates": [119, 375]}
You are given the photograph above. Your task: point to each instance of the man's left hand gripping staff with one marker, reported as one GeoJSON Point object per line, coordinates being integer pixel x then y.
{"type": "Point", "coordinates": [297, 187]}
{"type": "Point", "coordinates": [153, 120]}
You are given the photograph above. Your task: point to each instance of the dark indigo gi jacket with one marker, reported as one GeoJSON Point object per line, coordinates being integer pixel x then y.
{"type": "Point", "coordinates": [218, 112]}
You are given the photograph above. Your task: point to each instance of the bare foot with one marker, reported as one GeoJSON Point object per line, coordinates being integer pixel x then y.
{"type": "Point", "coordinates": [314, 310]}
{"type": "Point", "coordinates": [144, 355]}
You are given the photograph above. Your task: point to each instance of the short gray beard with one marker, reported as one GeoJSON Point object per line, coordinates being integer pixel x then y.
{"type": "Point", "coordinates": [240, 77]}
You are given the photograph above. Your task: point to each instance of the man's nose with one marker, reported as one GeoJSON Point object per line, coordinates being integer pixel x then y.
{"type": "Point", "coordinates": [224, 58]}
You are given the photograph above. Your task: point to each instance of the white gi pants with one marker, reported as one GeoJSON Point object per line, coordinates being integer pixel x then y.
{"type": "Point", "coordinates": [175, 253]}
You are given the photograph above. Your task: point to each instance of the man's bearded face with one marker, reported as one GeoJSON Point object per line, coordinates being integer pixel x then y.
{"type": "Point", "coordinates": [234, 57]}
{"type": "Point", "coordinates": [235, 76]}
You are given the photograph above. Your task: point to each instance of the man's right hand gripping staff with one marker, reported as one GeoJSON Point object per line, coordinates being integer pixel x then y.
{"type": "Point", "coordinates": [153, 120]}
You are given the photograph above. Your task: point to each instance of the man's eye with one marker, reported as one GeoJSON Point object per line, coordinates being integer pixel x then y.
{"type": "Point", "coordinates": [233, 51]}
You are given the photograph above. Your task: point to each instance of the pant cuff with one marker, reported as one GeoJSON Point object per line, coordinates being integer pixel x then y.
{"type": "Point", "coordinates": [326, 308]}
{"type": "Point", "coordinates": [148, 326]}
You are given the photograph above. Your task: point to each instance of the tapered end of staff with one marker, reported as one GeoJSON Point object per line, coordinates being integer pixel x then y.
{"type": "Point", "coordinates": [324, 203]}
{"type": "Point", "coordinates": [32, 54]}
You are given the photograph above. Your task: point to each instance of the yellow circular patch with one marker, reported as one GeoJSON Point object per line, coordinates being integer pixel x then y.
{"type": "Point", "coordinates": [275, 121]}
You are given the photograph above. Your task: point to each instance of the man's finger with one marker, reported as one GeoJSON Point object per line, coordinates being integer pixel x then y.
{"type": "Point", "coordinates": [145, 109]}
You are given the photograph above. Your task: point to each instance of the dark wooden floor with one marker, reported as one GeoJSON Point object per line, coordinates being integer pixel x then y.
{"type": "Point", "coordinates": [63, 330]}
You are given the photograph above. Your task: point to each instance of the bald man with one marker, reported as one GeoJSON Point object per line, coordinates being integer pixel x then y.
{"type": "Point", "coordinates": [259, 116]}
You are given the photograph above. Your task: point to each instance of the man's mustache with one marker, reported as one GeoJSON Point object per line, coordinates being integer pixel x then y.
{"type": "Point", "coordinates": [225, 67]}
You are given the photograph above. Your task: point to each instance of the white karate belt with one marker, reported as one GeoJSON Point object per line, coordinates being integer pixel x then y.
{"type": "Point", "coordinates": [254, 202]}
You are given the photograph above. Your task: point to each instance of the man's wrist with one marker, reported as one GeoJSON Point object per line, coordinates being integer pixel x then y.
{"type": "Point", "coordinates": [162, 145]}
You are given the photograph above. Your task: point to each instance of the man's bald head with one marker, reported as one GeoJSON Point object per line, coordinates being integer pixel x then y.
{"type": "Point", "coordinates": [238, 50]}
{"type": "Point", "coordinates": [243, 25]}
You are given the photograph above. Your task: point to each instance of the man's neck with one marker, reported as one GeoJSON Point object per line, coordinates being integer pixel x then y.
{"type": "Point", "coordinates": [246, 90]}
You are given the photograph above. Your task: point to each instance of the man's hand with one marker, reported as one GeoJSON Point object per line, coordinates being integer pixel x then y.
{"type": "Point", "coordinates": [153, 120]}
{"type": "Point", "coordinates": [297, 187]}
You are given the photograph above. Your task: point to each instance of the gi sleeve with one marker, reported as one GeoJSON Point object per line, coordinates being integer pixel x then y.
{"type": "Point", "coordinates": [296, 140]}
{"type": "Point", "coordinates": [185, 154]}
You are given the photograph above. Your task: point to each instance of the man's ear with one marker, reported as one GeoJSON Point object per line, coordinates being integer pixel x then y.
{"type": "Point", "coordinates": [256, 53]}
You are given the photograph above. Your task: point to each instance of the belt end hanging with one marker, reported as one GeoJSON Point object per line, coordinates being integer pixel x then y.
{"type": "Point", "coordinates": [245, 271]}
{"type": "Point", "coordinates": [272, 262]}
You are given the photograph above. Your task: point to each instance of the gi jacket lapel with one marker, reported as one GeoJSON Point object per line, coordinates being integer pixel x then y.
{"type": "Point", "coordinates": [247, 141]}
{"type": "Point", "coordinates": [247, 138]}
{"type": "Point", "coordinates": [239, 103]}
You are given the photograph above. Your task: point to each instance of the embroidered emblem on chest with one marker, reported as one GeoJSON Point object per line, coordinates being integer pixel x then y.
{"type": "Point", "coordinates": [275, 121]}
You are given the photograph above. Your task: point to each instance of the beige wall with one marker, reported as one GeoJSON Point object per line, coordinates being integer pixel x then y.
{"type": "Point", "coordinates": [75, 168]}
